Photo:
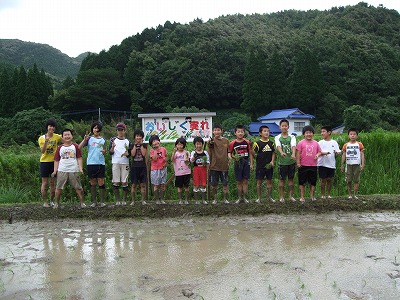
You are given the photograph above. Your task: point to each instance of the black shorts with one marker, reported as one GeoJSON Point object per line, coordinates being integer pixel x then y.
{"type": "Point", "coordinates": [286, 171]}
{"type": "Point", "coordinates": [242, 169]}
{"type": "Point", "coordinates": [182, 181]}
{"type": "Point", "coordinates": [139, 175]}
{"type": "Point", "coordinates": [325, 172]}
{"type": "Point", "coordinates": [46, 168]}
{"type": "Point", "coordinates": [264, 173]}
{"type": "Point", "coordinates": [215, 176]}
{"type": "Point", "coordinates": [96, 171]}
{"type": "Point", "coordinates": [308, 174]}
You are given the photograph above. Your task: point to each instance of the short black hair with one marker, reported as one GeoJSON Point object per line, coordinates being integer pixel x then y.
{"type": "Point", "coordinates": [308, 128]}
{"type": "Point", "coordinates": [262, 127]}
{"type": "Point", "coordinates": [180, 140]}
{"type": "Point", "coordinates": [153, 138]}
{"type": "Point", "coordinates": [98, 124]}
{"type": "Point", "coordinates": [67, 129]}
{"type": "Point", "coordinates": [239, 127]}
{"type": "Point", "coordinates": [198, 139]}
{"type": "Point", "coordinates": [218, 125]}
{"type": "Point", "coordinates": [327, 128]}
{"type": "Point", "coordinates": [138, 132]}
{"type": "Point", "coordinates": [283, 121]}
{"type": "Point", "coordinates": [352, 129]}
{"type": "Point", "coordinates": [51, 122]}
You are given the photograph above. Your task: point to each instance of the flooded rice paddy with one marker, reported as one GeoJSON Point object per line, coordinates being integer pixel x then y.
{"type": "Point", "coordinates": [330, 256]}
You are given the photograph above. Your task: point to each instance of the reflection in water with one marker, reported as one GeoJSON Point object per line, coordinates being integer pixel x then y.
{"type": "Point", "coordinates": [349, 256]}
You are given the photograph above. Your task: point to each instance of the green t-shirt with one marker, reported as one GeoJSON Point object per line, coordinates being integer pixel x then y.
{"type": "Point", "coordinates": [286, 148]}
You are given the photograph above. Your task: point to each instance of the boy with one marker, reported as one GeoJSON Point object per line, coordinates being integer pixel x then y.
{"type": "Point", "coordinates": [96, 165]}
{"type": "Point", "coordinates": [241, 151]}
{"type": "Point", "coordinates": [218, 150]}
{"type": "Point", "coordinates": [158, 175]}
{"type": "Point", "coordinates": [48, 144]}
{"type": "Point", "coordinates": [265, 150]}
{"type": "Point", "coordinates": [139, 166]}
{"type": "Point", "coordinates": [327, 161]}
{"type": "Point", "coordinates": [68, 166]}
{"type": "Point", "coordinates": [286, 146]}
{"type": "Point", "coordinates": [308, 151]}
{"type": "Point", "coordinates": [180, 159]}
{"type": "Point", "coordinates": [353, 154]}
{"type": "Point", "coordinates": [200, 159]}
{"type": "Point", "coordinates": [119, 146]}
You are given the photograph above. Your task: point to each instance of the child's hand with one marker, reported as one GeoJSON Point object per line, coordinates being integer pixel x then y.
{"type": "Point", "coordinates": [362, 168]}
{"type": "Point", "coordinates": [342, 168]}
{"type": "Point", "coordinates": [53, 174]}
{"type": "Point", "coordinates": [283, 154]}
{"type": "Point", "coordinates": [293, 157]}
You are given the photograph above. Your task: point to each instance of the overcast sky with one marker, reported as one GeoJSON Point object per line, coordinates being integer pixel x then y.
{"type": "Point", "coordinates": [77, 26]}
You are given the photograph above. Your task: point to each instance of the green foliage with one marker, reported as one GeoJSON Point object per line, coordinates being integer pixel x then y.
{"type": "Point", "coordinates": [235, 119]}
{"type": "Point", "coordinates": [359, 117]}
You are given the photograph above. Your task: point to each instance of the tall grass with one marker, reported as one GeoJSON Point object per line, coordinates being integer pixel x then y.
{"type": "Point", "coordinates": [19, 171]}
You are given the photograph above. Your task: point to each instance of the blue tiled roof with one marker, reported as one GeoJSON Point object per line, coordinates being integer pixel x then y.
{"type": "Point", "coordinates": [291, 113]}
{"type": "Point", "coordinates": [254, 126]}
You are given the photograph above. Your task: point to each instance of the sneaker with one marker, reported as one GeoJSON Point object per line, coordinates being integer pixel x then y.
{"type": "Point", "coordinates": [123, 203]}
{"type": "Point", "coordinates": [46, 205]}
{"type": "Point", "coordinates": [158, 202]}
{"type": "Point", "coordinates": [102, 204]}
{"type": "Point", "coordinates": [186, 202]}
{"type": "Point", "coordinates": [180, 202]}
{"type": "Point", "coordinates": [117, 203]}
{"type": "Point", "coordinates": [197, 202]}
{"type": "Point", "coordinates": [350, 198]}
{"type": "Point", "coordinates": [282, 200]}
{"type": "Point", "coordinates": [355, 197]}
{"type": "Point", "coordinates": [302, 200]}
{"type": "Point", "coordinates": [272, 200]}
{"type": "Point", "coordinates": [323, 197]}
{"type": "Point", "coordinates": [132, 203]}
{"type": "Point", "coordinates": [329, 197]}
{"type": "Point", "coordinates": [258, 201]}
{"type": "Point", "coordinates": [55, 205]}
{"type": "Point", "coordinates": [144, 203]}
{"type": "Point", "coordinates": [313, 199]}
{"type": "Point", "coordinates": [51, 203]}
{"type": "Point", "coordinates": [226, 201]}
{"type": "Point", "coordinates": [205, 202]}
{"type": "Point", "coordinates": [163, 202]}
{"type": "Point", "coordinates": [83, 205]}
{"type": "Point", "coordinates": [245, 200]}
{"type": "Point", "coordinates": [238, 201]}
{"type": "Point", "coordinates": [292, 199]}
{"type": "Point", "coordinates": [93, 205]}
{"type": "Point", "coordinates": [214, 202]}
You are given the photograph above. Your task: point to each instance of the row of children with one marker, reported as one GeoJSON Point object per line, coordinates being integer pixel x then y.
{"type": "Point", "coordinates": [308, 155]}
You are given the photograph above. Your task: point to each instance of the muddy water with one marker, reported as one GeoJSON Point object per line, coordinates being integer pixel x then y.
{"type": "Point", "coordinates": [334, 256]}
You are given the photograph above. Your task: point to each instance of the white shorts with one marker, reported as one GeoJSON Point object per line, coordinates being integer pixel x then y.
{"type": "Point", "coordinates": [120, 173]}
{"type": "Point", "coordinates": [158, 177]}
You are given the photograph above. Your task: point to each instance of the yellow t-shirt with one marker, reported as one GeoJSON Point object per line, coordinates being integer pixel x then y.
{"type": "Point", "coordinates": [52, 144]}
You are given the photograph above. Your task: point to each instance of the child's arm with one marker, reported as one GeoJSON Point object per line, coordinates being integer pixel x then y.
{"type": "Point", "coordinates": [298, 153]}
{"type": "Point", "coordinates": [343, 159]}
{"type": "Point", "coordinates": [362, 160]}
{"type": "Point", "coordinates": [112, 146]}
{"type": "Point", "coordinates": [80, 164]}
{"type": "Point", "coordinates": [273, 159]}
{"type": "Point", "coordinates": [173, 154]}
{"type": "Point", "coordinates": [56, 164]}
{"type": "Point", "coordinates": [43, 145]}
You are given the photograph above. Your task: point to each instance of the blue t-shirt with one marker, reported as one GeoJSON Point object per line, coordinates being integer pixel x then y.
{"type": "Point", "coordinates": [95, 156]}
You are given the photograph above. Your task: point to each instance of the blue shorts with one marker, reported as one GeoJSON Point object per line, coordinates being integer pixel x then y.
{"type": "Point", "coordinates": [215, 176]}
{"type": "Point", "coordinates": [242, 169]}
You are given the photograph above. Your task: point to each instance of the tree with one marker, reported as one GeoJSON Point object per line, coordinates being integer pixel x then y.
{"type": "Point", "coordinates": [359, 117]}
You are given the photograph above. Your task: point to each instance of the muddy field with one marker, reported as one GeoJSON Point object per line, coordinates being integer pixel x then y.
{"type": "Point", "coordinates": [337, 255]}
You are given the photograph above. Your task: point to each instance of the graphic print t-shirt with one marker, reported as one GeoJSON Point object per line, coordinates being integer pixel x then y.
{"type": "Point", "coordinates": [308, 150]}
{"type": "Point", "coordinates": [353, 152]}
{"type": "Point", "coordinates": [68, 158]}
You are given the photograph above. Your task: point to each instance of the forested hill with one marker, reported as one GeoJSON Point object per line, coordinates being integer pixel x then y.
{"type": "Point", "coordinates": [320, 61]}
{"type": "Point", "coordinates": [53, 61]}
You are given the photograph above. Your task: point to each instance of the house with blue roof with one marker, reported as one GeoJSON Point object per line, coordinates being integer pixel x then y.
{"type": "Point", "coordinates": [297, 120]}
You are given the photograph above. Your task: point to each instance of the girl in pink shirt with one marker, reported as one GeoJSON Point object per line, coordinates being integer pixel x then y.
{"type": "Point", "coordinates": [158, 174]}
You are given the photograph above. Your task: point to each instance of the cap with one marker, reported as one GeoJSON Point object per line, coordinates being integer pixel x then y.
{"type": "Point", "coordinates": [120, 125]}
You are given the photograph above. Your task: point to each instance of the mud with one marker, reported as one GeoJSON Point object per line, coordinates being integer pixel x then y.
{"type": "Point", "coordinates": [336, 255]}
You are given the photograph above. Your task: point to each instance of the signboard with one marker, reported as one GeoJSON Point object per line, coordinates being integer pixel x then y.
{"type": "Point", "coordinates": [171, 126]}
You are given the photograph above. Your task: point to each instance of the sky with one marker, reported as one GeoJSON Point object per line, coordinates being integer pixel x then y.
{"type": "Point", "coordinates": [77, 26]}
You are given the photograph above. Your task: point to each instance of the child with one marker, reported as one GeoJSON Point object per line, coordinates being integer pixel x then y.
{"type": "Point", "coordinates": [68, 166]}
{"type": "Point", "coordinates": [218, 147]}
{"type": "Point", "coordinates": [242, 152]}
{"type": "Point", "coordinates": [308, 151]}
{"type": "Point", "coordinates": [180, 158]}
{"type": "Point", "coordinates": [265, 149]}
{"type": "Point", "coordinates": [327, 161]}
{"type": "Point", "coordinates": [48, 144]}
{"type": "Point", "coordinates": [96, 166]}
{"type": "Point", "coordinates": [200, 159]}
{"type": "Point", "coordinates": [158, 176]}
{"type": "Point", "coordinates": [353, 154]}
{"type": "Point", "coordinates": [286, 145]}
{"type": "Point", "coordinates": [139, 163]}
{"type": "Point", "coordinates": [119, 146]}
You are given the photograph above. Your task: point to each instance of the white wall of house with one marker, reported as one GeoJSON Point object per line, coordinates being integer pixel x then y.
{"type": "Point", "coordinates": [295, 125]}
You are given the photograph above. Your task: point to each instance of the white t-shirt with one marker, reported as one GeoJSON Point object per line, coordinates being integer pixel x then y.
{"type": "Point", "coordinates": [121, 145]}
{"type": "Point", "coordinates": [328, 160]}
{"type": "Point", "coordinates": [68, 158]}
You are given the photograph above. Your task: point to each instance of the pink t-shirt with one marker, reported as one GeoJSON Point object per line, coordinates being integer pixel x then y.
{"type": "Point", "coordinates": [308, 150]}
{"type": "Point", "coordinates": [180, 166]}
{"type": "Point", "coordinates": [160, 163]}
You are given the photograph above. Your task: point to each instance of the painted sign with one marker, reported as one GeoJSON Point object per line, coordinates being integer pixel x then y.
{"type": "Point", "coordinates": [169, 127]}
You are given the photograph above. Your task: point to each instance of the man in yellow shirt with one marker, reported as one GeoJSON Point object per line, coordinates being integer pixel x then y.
{"type": "Point", "coordinates": [48, 144]}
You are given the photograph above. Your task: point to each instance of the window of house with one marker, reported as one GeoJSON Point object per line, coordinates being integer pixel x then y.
{"type": "Point", "coordinates": [298, 126]}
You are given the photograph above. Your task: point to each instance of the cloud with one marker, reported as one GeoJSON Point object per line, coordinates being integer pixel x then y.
{"type": "Point", "coordinates": [4, 4]}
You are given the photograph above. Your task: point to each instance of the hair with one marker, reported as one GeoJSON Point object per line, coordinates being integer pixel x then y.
{"type": "Point", "coordinates": [67, 129]}
{"type": "Point", "coordinates": [283, 121]}
{"type": "Point", "coordinates": [327, 128]}
{"type": "Point", "coordinates": [308, 128]}
{"type": "Point", "coordinates": [180, 140]}
{"type": "Point", "coordinates": [218, 125]}
{"type": "Point", "coordinates": [239, 127]}
{"type": "Point", "coordinates": [262, 127]}
{"type": "Point", "coordinates": [98, 124]}
{"type": "Point", "coordinates": [153, 138]}
{"type": "Point", "coordinates": [198, 139]}
{"type": "Point", "coordinates": [138, 132]}
{"type": "Point", "coordinates": [352, 129]}
{"type": "Point", "coordinates": [51, 122]}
